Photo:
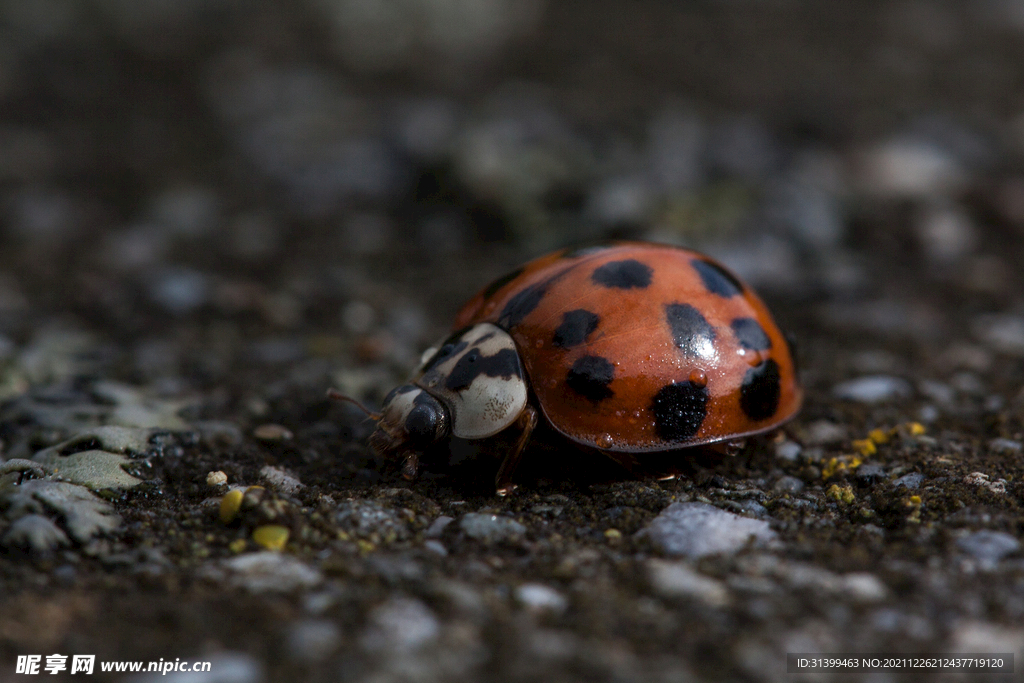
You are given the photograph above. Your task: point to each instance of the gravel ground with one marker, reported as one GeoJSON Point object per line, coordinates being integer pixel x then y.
{"type": "Point", "coordinates": [212, 212]}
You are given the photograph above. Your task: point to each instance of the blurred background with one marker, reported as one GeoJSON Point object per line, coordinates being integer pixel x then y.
{"type": "Point", "coordinates": [197, 191]}
{"type": "Point", "coordinates": [213, 210]}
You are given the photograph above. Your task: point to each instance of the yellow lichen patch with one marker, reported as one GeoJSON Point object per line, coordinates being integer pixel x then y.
{"type": "Point", "coordinates": [230, 504]}
{"type": "Point", "coordinates": [271, 536]}
{"type": "Point", "coordinates": [914, 503]}
{"type": "Point", "coordinates": [865, 447]}
{"type": "Point", "coordinates": [843, 463]}
{"type": "Point", "coordinates": [841, 494]}
{"type": "Point", "coordinates": [879, 436]}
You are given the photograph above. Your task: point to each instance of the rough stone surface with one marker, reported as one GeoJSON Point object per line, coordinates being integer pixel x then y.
{"type": "Point", "coordinates": [695, 530]}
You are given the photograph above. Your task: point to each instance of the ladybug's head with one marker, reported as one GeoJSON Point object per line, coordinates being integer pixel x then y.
{"type": "Point", "coordinates": [411, 420]}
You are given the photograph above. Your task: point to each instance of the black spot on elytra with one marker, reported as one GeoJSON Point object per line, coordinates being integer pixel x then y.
{"type": "Point", "coordinates": [575, 328]}
{"type": "Point", "coordinates": [521, 305]}
{"type": "Point", "coordinates": [626, 274]}
{"type": "Point", "coordinates": [397, 391]}
{"type": "Point", "coordinates": [679, 410]}
{"type": "Point", "coordinates": [690, 330]}
{"type": "Point", "coordinates": [492, 289]}
{"type": "Point", "coordinates": [504, 364]}
{"type": "Point", "coordinates": [717, 280]}
{"type": "Point", "coordinates": [750, 334]}
{"type": "Point", "coordinates": [760, 391]}
{"type": "Point", "coordinates": [590, 376]}
{"type": "Point", "coordinates": [449, 348]}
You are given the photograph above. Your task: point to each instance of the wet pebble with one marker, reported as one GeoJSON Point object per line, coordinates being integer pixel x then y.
{"type": "Point", "coordinates": [873, 389]}
{"type": "Point", "coordinates": [697, 529]}
{"type": "Point", "coordinates": [988, 546]}
{"type": "Point", "coordinates": [491, 528]}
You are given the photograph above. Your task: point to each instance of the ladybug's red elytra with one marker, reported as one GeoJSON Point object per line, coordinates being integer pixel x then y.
{"type": "Point", "coordinates": [628, 349]}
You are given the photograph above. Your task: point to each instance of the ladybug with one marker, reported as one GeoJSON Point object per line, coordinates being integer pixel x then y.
{"type": "Point", "coordinates": [627, 349]}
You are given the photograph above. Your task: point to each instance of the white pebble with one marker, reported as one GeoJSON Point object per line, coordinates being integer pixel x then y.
{"type": "Point", "coordinates": [873, 389]}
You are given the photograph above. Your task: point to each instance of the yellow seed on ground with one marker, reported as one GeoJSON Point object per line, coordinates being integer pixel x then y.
{"type": "Point", "coordinates": [238, 545]}
{"type": "Point", "coordinates": [914, 501]}
{"type": "Point", "coordinates": [865, 447]}
{"type": "Point", "coordinates": [271, 536]}
{"type": "Point", "coordinates": [230, 504]}
{"type": "Point", "coordinates": [612, 534]}
{"type": "Point", "coordinates": [916, 428]}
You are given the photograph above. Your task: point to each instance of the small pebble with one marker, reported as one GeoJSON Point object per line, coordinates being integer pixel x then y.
{"type": "Point", "coordinates": [436, 547]}
{"type": "Point", "coordinates": [271, 572]}
{"type": "Point", "coordinates": [271, 536]}
{"type": "Point", "coordinates": [679, 580]}
{"type": "Point", "coordinates": [217, 478]}
{"type": "Point", "coordinates": [272, 432]}
{"type": "Point", "coordinates": [180, 290]}
{"type": "Point", "coordinates": [823, 433]}
{"type": "Point", "coordinates": [910, 169]}
{"type": "Point", "coordinates": [540, 598]}
{"type": "Point", "coordinates": [1005, 446]}
{"type": "Point", "coordinates": [988, 546]}
{"type": "Point", "coordinates": [695, 530]}
{"type": "Point", "coordinates": [437, 527]}
{"type": "Point", "coordinates": [869, 473]}
{"type": "Point", "coordinates": [873, 389]}
{"type": "Point", "coordinates": [400, 625]}
{"type": "Point", "coordinates": [909, 481]}
{"type": "Point", "coordinates": [788, 451]}
{"type": "Point", "coordinates": [313, 640]}
{"type": "Point", "coordinates": [1003, 332]}
{"type": "Point", "coordinates": [788, 485]}
{"type": "Point", "coordinates": [280, 480]}
{"type": "Point", "coordinates": [491, 528]}
{"type": "Point", "coordinates": [864, 587]}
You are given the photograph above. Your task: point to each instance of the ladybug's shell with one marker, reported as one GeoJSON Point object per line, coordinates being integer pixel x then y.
{"type": "Point", "coordinates": [639, 347]}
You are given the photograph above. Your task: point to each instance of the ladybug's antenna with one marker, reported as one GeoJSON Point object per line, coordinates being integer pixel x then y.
{"type": "Point", "coordinates": [338, 396]}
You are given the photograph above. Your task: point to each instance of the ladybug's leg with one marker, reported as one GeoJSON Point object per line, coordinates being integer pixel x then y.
{"type": "Point", "coordinates": [526, 422]}
{"type": "Point", "coordinates": [627, 461]}
{"type": "Point", "coordinates": [410, 465]}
